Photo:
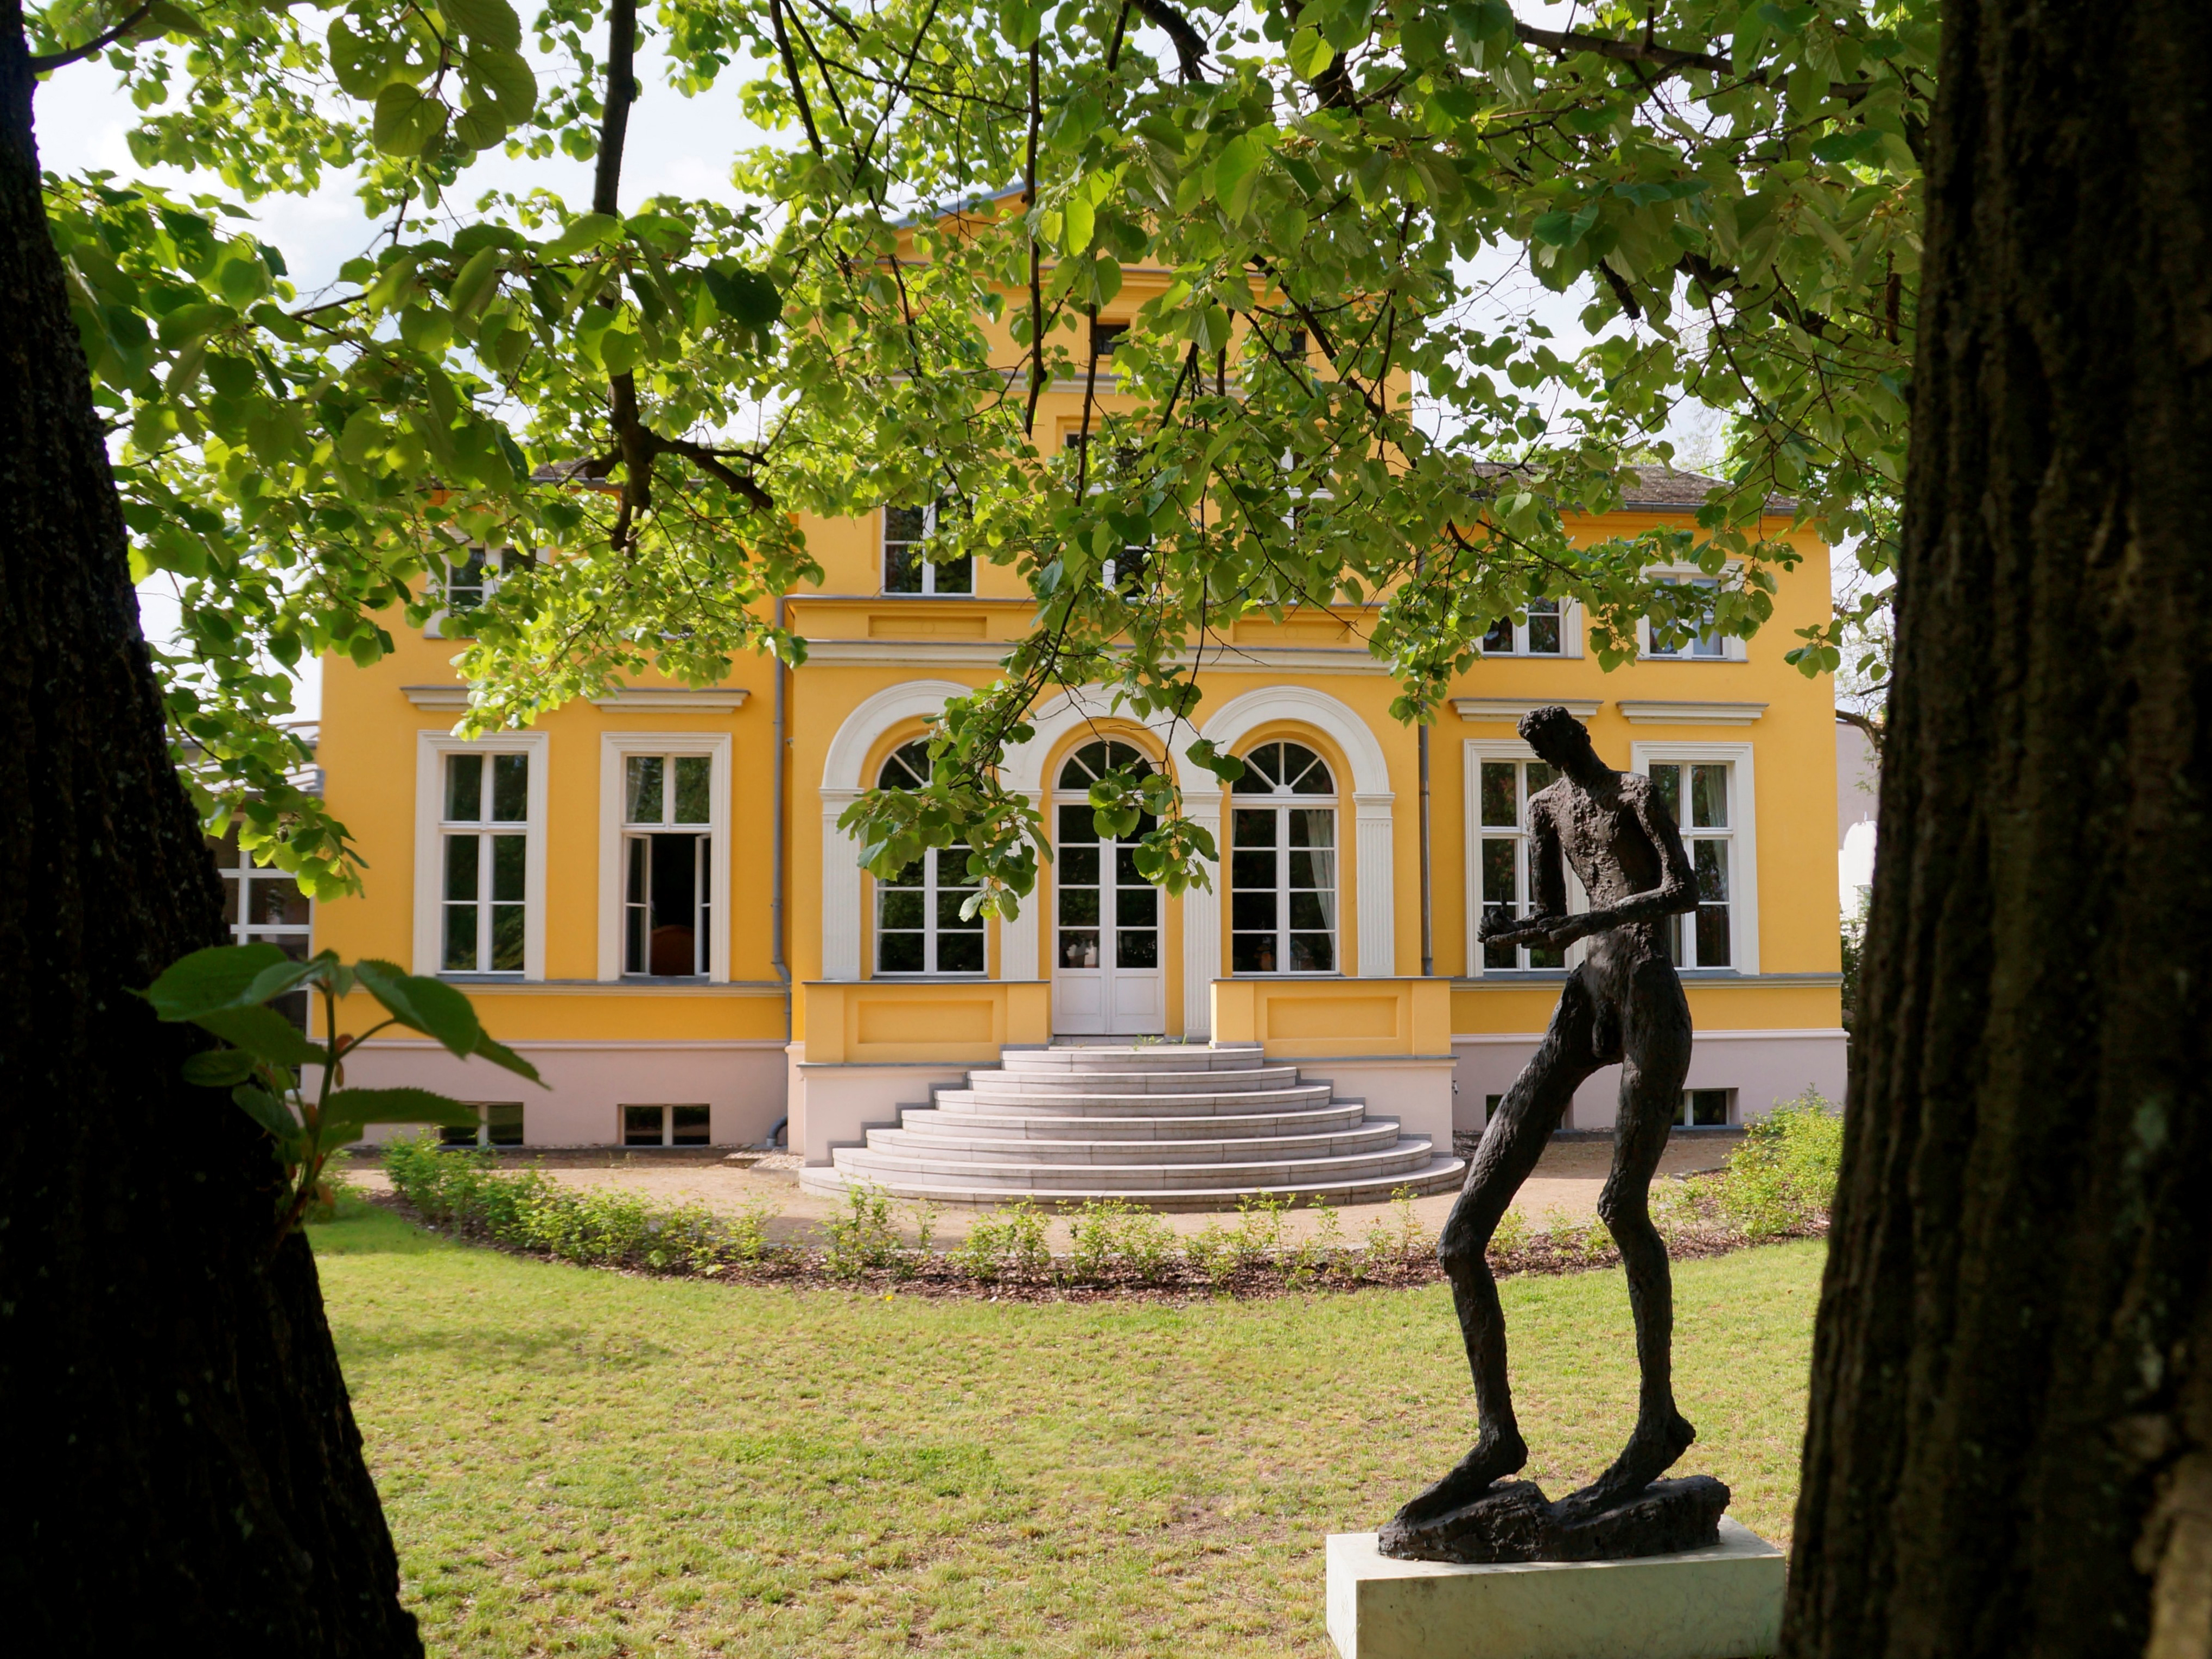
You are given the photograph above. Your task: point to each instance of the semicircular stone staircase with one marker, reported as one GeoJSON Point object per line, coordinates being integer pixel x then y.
{"type": "Point", "coordinates": [1170, 1127]}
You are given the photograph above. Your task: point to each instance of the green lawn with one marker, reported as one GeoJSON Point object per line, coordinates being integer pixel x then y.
{"type": "Point", "coordinates": [576, 1462]}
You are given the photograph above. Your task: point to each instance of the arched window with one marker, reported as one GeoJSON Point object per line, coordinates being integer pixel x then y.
{"type": "Point", "coordinates": [1110, 915]}
{"type": "Point", "coordinates": [1282, 863]}
{"type": "Point", "coordinates": [918, 926]}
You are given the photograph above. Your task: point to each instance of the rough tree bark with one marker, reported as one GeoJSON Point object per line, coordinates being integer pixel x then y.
{"type": "Point", "coordinates": [181, 1468]}
{"type": "Point", "coordinates": [2010, 1446]}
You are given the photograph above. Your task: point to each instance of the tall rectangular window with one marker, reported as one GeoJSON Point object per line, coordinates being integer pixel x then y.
{"type": "Point", "coordinates": [468, 581]}
{"type": "Point", "coordinates": [1504, 877]}
{"type": "Point", "coordinates": [484, 849]}
{"type": "Point", "coordinates": [906, 567]}
{"type": "Point", "coordinates": [1700, 794]}
{"type": "Point", "coordinates": [262, 905]}
{"type": "Point", "coordinates": [668, 865]}
{"type": "Point", "coordinates": [1539, 632]}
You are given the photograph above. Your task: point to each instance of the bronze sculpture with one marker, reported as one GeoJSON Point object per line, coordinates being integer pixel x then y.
{"type": "Point", "coordinates": [1623, 1005]}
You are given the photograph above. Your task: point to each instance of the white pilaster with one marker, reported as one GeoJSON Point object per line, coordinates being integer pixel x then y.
{"type": "Point", "coordinates": [841, 890]}
{"type": "Point", "coordinates": [1377, 884]}
{"type": "Point", "coordinates": [1201, 913]}
{"type": "Point", "coordinates": [1018, 939]}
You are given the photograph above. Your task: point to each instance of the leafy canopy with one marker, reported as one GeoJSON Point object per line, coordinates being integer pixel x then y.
{"type": "Point", "coordinates": [638, 398]}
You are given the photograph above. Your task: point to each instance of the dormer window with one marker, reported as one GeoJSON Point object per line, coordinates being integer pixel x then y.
{"type": "Point", "coordinates": [906, 567]}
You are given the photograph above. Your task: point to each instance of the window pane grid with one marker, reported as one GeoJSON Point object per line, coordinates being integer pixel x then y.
{"type": "Point", "coordinates": [1504, 876]}
{"type": "Point", "coordinates": [667, 861]}
{"type": "Point", "coordinates": [1706, 937]}
{"type": "Point", "coordinates": [918, 926]}
{"type": "Point", "coordinates": [262, 905]}
{"type": "Point", "coordinates": [906, 567]}
{"type": "Point", "coordinates": [1282, 864]}
{"type": "Point", "coordinates": [1541, 631]}
{"type": "Point", "coordinates": [483, 883]}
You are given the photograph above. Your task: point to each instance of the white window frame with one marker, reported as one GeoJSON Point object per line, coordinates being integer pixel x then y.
{"type": "Point", "coordinates": [930, 928]}
{"type": "Point", "coordinates": [615, 750]}
{"type": "Point", "coordinates": [431, 748]}
{"type": "Point", "coordinates": [1743, 832]}
{"type": "Point", "coordinates": [884, 545]}
{"type": "Point", "coordinates": [1280, 801]}
{"type": "Point", "coordinates": [1732, 648]}
{"type": "Point", "coordinates": [248, 875]}
{"type": "Point", "coordinates": [1475, 751]}
{"type": "Point", "coordinates": [1571, 633]}
{"type": "Point", "coordinates": [497, 562]}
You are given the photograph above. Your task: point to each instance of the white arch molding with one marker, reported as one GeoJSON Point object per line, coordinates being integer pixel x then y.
{"type": "Point", "coordinates": [1373, 849]}
{"type": "Point", "coordinates": [1023, 769]}
{"type": "Point", "coordinates": [842, 783]}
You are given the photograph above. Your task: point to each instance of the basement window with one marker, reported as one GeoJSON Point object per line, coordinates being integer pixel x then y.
{"type": "Point", "coordinates": [664, 1125]}
{"type": "Point", "coordinates": [499, 1123]}
{"type": "Point", "coordinates": [1707, 1108]}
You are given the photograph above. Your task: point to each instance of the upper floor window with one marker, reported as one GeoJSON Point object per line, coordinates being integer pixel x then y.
{"type": "Point", "coordinates": [906, 567]}
{"type": "Point", "coordinates": [485, 859]}
{"type": "Point", "coordinates": [262, 905]}
{"type": "Point", "coordinates": [1700, 794]}
{"type": "Point", "coordinates": [1504, 878]}
{"type": "Point", "coordinates": [1106, 339]}
{"type": "Point", "coordinates": [667, 864]}
{"type": "Point", "coordinates": [919, 929]}
{"type": "Point", "coordinates": [468, 582]}
{"type": "Point", "coordinates": [1707, 644]}
{"type": "Point", "coordinates": [1282, 863]}
{"type": "Point", "coordinates": [1541, 632]}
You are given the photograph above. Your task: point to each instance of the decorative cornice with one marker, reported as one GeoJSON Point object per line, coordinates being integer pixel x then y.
{"type": "Point", "coordinates": [988, 653]}
{"type": "Point", "coordinates": [673, 699]}
{"type": "Point", "coordinates": [1641, 713]}
{"type": "Point", "coordinates": [1482, 710]}
{"type": "Point", "coordinates": [439, 698]}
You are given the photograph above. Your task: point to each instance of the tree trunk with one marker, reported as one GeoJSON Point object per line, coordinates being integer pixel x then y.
{"type": "Point", "coordinates": [181, 1468]}
{"type": "Point", "coordinates": [2010, 1446]}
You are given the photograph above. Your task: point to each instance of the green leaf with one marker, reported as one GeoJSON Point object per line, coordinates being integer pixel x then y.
{"type": "Point", "coordinates": [592, 230]}
{"type": "Point", "coordinates": [217, 977]}
{"type": "Point", "coordinates": [428, 1005]}
{"type": "Point", "coordinates": [506, 79]}
{"type": "Point", "coordinates": [1078, 219]}
{"type": "Point", "coordinates": [1309, 54]}
{"type": "Point", "coordinates": [219, 1068]}
{"type": "Point", "coordinates": [351, 1106]}
{"type": "Point", "coordinates": [492, 21]}
{"type": "Point", "coordinates": [357, 64]}
{"type": "Point", "coordinates": [175, 20]}
{"type": "Point", "coordinates": [500, 1054]}
{"type": "Point", "coordinates": [262, 1032]}
{"type": "Point", "coordinates": [270, 1113]}
{"type": "Point", "coordinates": [195, 322]}
{"type": "Point", "coordinates": [745, 296]}
{"type": "Point", "coordinates": [406, 120]}
{"type": "Point", "coordinates": [1227, 768]}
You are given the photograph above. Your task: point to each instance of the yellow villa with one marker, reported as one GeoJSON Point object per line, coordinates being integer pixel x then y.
{"type": "Point", "coordinates": [648, 895]}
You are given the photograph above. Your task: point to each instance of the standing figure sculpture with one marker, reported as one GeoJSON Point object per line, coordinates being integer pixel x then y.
{"type": "Point", "coordinates": [1624, 1005]}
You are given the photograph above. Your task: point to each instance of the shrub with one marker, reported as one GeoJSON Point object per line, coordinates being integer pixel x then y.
{"type": "Point", "coordinates": [1006, 1244]}
{"type": "Point", "coordinates": [1321, 1250]}
{"type": "Point", "coordinates": [1510, 1236]}
{"type": "Point", "coordinates": [1110, 1236]}
{"type": "Point", "coordinates": [1782, 1179]}
{"type": "Point", "coordinates": [523, 1210]}
{"type": "Point", "coordinates": [864, 1235]}
{"type": "Point", "coordinates": [1211, 1254]}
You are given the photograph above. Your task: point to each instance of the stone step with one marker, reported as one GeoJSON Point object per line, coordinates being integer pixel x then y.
{"type": "Point", "coordinates": [1438, 1175]}
{"type": "Point", "coordinates": [1150, 1057]}
{"type": "Point", "coordinates": [1373, 1135]}
{"type": "Point", "coordinates": [1003, 1100]}
{"type": "Point", "coordinates": [1257, 1079]}
{"type": "Point", "coordinates": [1323, 1119]}
{"type": "Point", "coordinates": [986, 1175]}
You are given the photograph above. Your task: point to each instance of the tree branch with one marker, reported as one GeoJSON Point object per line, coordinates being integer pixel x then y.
{"type": "Point", "coordinates": [1564, 41]}
{"type": "Point", "coordinates": [1036, 271]}
{"type": "Point", "coordinates": [54, 60]}
{"type": "Point", "coordinates": [1189, 44]}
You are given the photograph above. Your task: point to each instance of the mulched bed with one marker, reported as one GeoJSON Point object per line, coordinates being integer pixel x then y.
{"type": "Point", "coordinates": [932, 1275]}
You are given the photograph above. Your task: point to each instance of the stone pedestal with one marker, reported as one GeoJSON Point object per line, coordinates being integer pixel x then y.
{"type": "Point", "coordinates": [1723, 1602]}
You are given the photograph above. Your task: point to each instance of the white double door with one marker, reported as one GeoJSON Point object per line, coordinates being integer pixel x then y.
{"type": "Point", "coordinates": [1106, 977]}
